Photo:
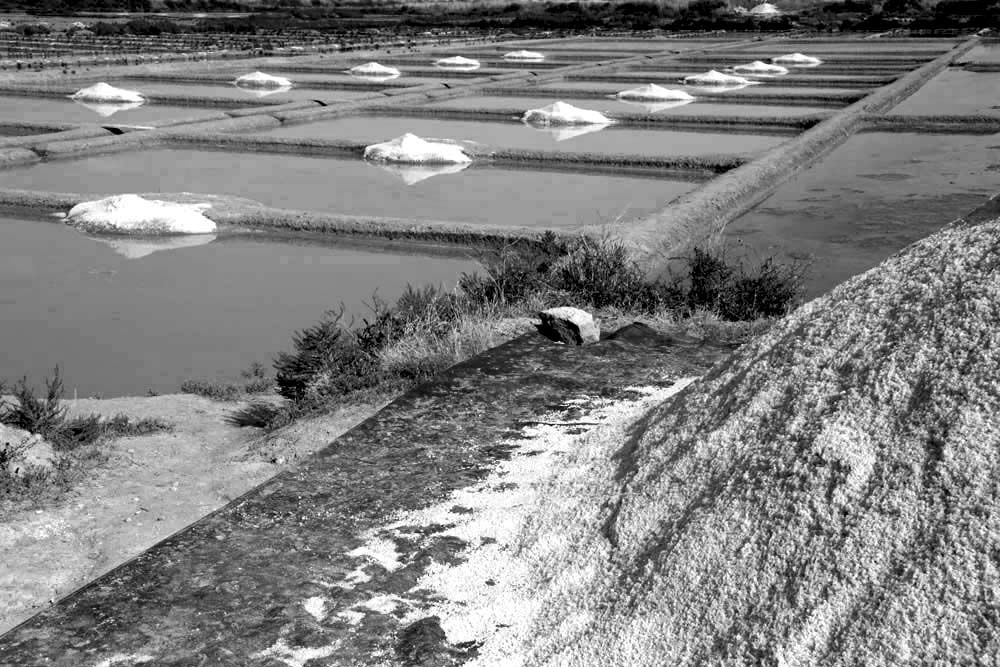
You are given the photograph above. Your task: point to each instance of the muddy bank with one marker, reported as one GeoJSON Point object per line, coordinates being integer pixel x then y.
{"type": "Point", "coordinates": [149, 488]}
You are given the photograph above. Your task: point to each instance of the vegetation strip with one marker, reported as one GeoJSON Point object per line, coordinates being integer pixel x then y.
{"type": "Point", "coordinates": [647, 121]}
{"type": "Point", "coordinates": [735, 97]}
{"type": "Point", "coordinates": [639, 164]}
{"type": "Point", "coordinates": [934, 124]}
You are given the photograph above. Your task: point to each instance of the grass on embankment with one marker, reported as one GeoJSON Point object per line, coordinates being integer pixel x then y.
{"type": "Point", "coordinates": [78, 442]}
{"type": "Point", "coordinates": [429, 329]}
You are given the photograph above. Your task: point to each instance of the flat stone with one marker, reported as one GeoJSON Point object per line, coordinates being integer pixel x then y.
{"type": "Point", "coordinates": [569, 325]}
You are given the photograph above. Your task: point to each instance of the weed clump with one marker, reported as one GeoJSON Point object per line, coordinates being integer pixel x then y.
{"type": "Point", "coordinates": [253, 380]}
{"type": "Point", "coordinates": [77, 440]}
{"type": "Point", "coordinates": [429, 329]}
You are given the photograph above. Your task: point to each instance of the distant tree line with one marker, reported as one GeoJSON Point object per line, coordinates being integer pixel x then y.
{"type": "Point", "coordinates": [635, 15]}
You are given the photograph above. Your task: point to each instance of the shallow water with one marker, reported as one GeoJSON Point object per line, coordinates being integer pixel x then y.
{"type": "Point", "coordinates": [769, 88]}
{"type": "Point", "coordinates": [955, 91]}
{"type": "Point", "coordinates": [120, 326]}
{"type": "Point", "coordinates": [984, 53]}
{"type": "Point", "coordinates": [236, 93]}
{"type": "Point", "coordinates": [65, 110]}
{"type": "Point", "coordinates": [482, 195]}
{"type": "Point", "coordinates": [516, 135]}
{"type": "Point", "coordinates": [612, 105]}
{"type": "Point", "coordinates": [871, 197]}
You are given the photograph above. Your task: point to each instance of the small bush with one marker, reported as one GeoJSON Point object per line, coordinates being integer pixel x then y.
{"type": "Point", "coordinates": [327, 361]}
{"type": "Point", "coordinates": [254, 381]}
{"type": "Point", "coordinates": [219, 391]}
{"type": "Point", "coordinates": [44, 416]}
{"type": "Point", "coordinates": [122, 426]}
{"type": "Point", "coordinates": [262, 415]}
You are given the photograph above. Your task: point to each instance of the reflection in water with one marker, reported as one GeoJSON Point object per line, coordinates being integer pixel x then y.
{"type": "Point", "coordinates": [414, 173]}
{"type": "Point", "coordinates": [653, 107]}
{"type": "Point", "coordinates": [137, 247]}
{"type": "Point", "coordinates": [376, 78]}
{"type": "Point", "coordinates": [107, 109]}
{"type": "Point", "coordinates": [718, 89]}
{"type": "Point", "coordinates": [564, 132]}
{"type": "Point", "coordinates": [263, 92]}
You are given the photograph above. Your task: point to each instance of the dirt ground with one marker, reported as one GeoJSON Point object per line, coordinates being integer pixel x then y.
{"type": "Point", "coordinates": [150, 487]}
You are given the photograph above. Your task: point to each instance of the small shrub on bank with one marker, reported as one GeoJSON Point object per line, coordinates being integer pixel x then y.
{"type": "Point", "coordinates": [427, 329]}
{"type": "Point", "coordinates": [255, 380]}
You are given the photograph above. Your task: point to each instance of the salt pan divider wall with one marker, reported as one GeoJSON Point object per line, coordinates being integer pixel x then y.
{"type": "Point", "coordinates": [702, 214]}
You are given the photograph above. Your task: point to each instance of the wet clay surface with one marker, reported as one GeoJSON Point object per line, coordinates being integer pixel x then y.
{"type": "Point", "coordinates": [234, 588]}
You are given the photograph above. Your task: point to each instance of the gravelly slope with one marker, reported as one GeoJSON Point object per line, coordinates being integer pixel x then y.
{"type": "Point", "coordinates": [829, 495]}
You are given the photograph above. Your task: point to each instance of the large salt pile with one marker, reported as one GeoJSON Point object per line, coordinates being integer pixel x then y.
{"type": "Point", "coordinates": [262, 80]}
{"type": "Point", "coordinates": [132, 214]}
{"type": "Point", "coordinates": [411, 149]}
{"type": "Point", "coordinates": [829, 495]}
{"type": "Point", "coordinates": [103, 92]}
{"type": "Point", "coordinates": [653, 93]}
{"type": "Point", "coordinates": [760, 68]}
{"type": "Point", "coordinates": [561, 113]}
{"type": "Point", "coordinates": [457, 62]}
{"type": "Point", "coordinates": [797, 60]}
{"type": "Point", "coordinates": [716, 78]}
{"type": "Point", "coordinates": [523, 55]}
{"type": "Point", "coordinates": [374, 71]}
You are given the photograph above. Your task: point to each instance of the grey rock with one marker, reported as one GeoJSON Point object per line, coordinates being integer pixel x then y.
{"type": "Point", "coordinates": [569, 325]}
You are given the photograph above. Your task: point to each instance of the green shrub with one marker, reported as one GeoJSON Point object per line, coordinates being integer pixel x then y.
{"type": "Point", "coordinates": [262, 415]}
{"type": "Point", "coordinates": [44, 416]}
{"type": "Point", "coordinates": [327, 361]}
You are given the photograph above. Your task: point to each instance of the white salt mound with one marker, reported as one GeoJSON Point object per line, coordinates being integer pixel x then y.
{"type": "Point", "coordinates": [262, 80]}
{"type": "Point", "coordinates": [561, 113]}
{"type": "Point", "coordinates": [102, 92]}
{"type": "Point", "coordinates": [653, 93]}
{"type": "Point", "coordinates": [797, 59]}
{"type": "Point", "coordinates": [374, 69]}
{"type": "Point", "coordinates": [457, 62]}
{"type": "Point", "coordinates": [716, 78]}
{"type": "Point", "coordinates": [523, 55]}
{"type": "Point", "coordinates": [411, 149]}
{"type": "Point", "coordinates": [760, 67]}
{"type": "Point", "coordinates": [828, 495]}
{"type": "Point", "coordinates": [132, 214]}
